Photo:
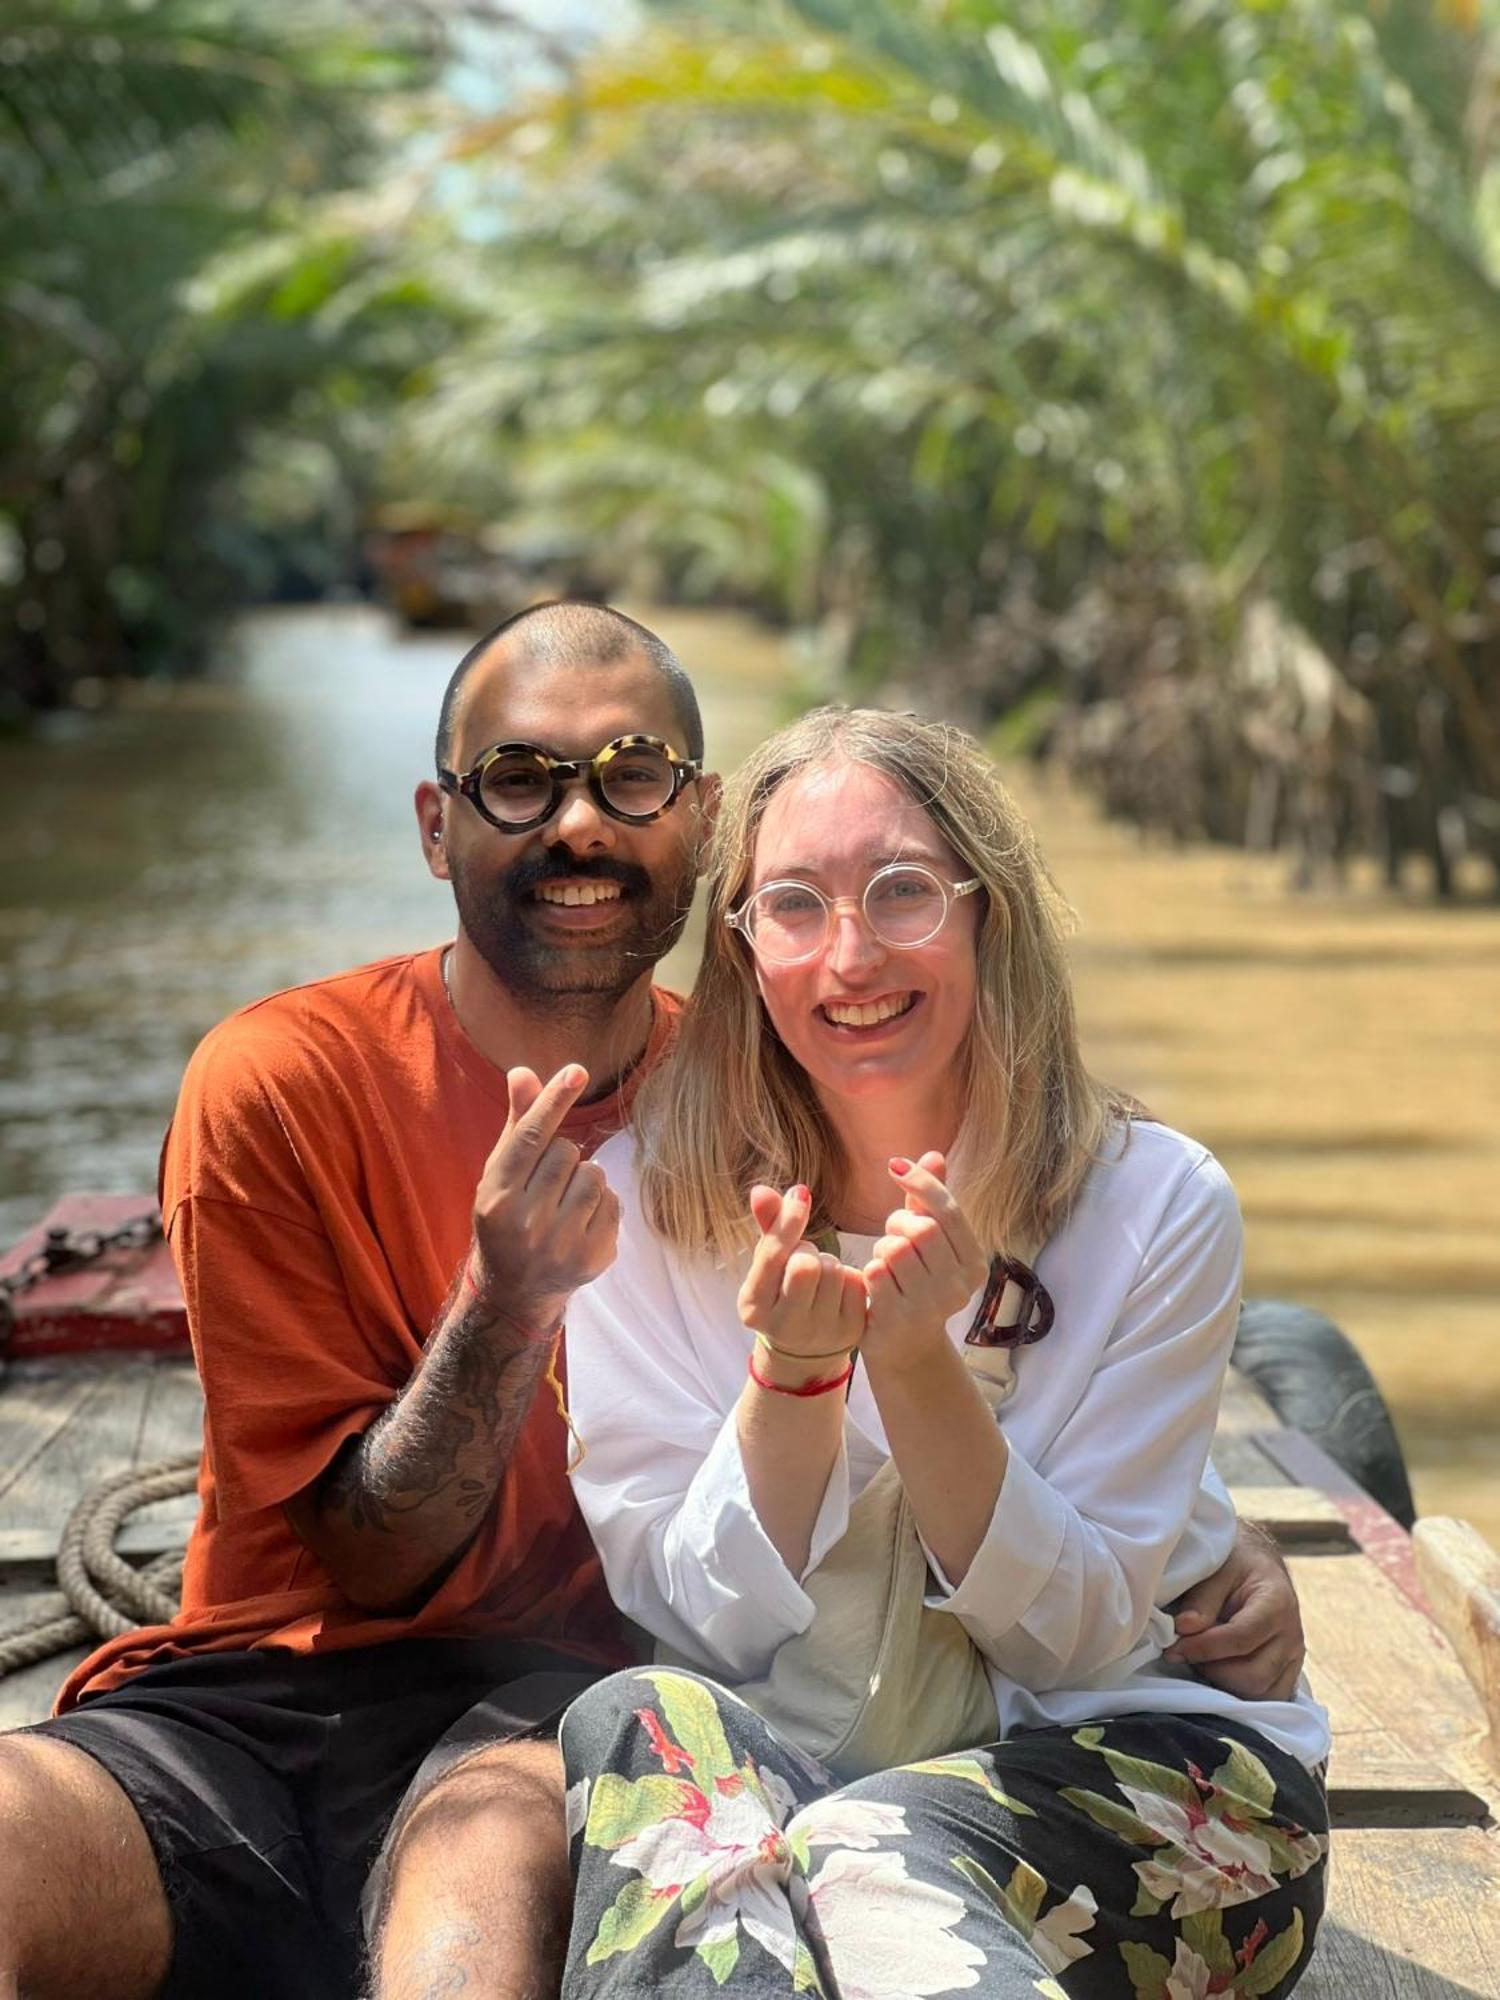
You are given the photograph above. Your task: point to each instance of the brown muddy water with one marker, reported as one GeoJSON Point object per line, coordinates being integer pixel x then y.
{"type": "Point", "coordinates": [1341, 1054]}
{"type": "Point", "coordinates": [176, 856]}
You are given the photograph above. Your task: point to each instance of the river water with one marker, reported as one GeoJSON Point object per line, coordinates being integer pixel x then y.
{"type": "Point", "coordinates": [198, 846]}
{"type": "Point", "coordinates": [201, 845]}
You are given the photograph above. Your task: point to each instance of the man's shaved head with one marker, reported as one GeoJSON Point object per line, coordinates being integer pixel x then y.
{"type": "Point", "coordinates": [572, 632]}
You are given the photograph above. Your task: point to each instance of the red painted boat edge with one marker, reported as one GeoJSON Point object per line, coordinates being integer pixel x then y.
{"type": "Point", "coordinates": [127, 1300]}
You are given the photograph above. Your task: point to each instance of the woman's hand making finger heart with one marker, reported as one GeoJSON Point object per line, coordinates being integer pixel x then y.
{"type": "Point", "coordinates": [925, 1267]}
{"type": "Point", "coordinates": [803, 1300]}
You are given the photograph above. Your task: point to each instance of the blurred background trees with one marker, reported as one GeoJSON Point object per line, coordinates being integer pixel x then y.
{"type": "Point", "coordinates": [199, 356]}
{"type": "Point", "coordinates": [1123, 375]}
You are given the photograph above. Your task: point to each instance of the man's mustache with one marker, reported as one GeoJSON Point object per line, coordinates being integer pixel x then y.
{"type": "Point", "coordinates": [533, 871]}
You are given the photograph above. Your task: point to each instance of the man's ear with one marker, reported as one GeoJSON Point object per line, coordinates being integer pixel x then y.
{"type": "Point", "coordinates": [429, 805]}
{"type": "Point", "coordinates": [710, 792]}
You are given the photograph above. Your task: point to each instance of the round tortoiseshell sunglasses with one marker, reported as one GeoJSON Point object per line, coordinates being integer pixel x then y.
{"type": "Point", "coordinates": [518, 787]}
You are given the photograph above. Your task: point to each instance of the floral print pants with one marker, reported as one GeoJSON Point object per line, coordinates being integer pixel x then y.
{"type": "Point", "coordinates": [1147, 1857]}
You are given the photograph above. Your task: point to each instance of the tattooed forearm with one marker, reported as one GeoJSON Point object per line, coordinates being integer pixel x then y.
{"type": "Point", "coordinates": [451, 1431]}
{"type": "Point", "coordinates": [404, 1460]}
{"type": "Point", "coordinates": [401, 1500]}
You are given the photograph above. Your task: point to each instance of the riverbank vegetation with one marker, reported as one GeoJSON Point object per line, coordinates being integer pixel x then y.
{"type": "Point", "coordinates": [199, 318]}
{"type": "Point", "coordinates": [1124, 368]}
{"type": "Point", "coordinates": [1120, 374]}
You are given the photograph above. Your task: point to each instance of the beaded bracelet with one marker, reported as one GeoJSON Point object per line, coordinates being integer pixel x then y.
{"type": "Point", "coordinates": [807, 1388]}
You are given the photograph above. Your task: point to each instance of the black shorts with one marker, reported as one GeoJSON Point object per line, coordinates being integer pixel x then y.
{"type": "Point", "coordinates": [267, 1781]}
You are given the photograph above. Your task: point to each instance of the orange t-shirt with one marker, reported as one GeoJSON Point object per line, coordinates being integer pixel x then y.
{"type": "Point", "coordinates": [317, 1188]}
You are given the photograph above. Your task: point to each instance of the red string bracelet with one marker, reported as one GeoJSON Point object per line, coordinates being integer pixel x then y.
{"type": "Point", "coordinates": [806, 1389]}
{"type": "Point", "coordinates": [469, 1292]}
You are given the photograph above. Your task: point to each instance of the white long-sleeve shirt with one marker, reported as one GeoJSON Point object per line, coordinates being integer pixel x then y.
{"type": "Point", "coordinates": [1109, 1507]}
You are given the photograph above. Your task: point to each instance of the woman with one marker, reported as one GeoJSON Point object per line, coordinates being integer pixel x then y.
{"type": "Point", "coordinates": [883, 1031]}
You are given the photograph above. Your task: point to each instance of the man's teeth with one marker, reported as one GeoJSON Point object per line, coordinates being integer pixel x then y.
{"type": "Point", "coordinates": [573, 893]}
{"type": "Point", "coordinates": [868, 1015]}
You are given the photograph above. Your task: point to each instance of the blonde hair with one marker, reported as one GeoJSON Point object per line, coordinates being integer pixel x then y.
{"type": "Point", "coordinates": [733, 1107]}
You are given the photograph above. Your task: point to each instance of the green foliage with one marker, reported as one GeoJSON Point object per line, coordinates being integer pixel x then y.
{"type": "Point", "coordinates": [1249, 1787]}
{"type": "Point", "coordinates": [693, 1724]}
{"type": "Point", "coordinates": [179, 292]}
{"type": "Point", "coordinates": [804, 1971]}
{"type": "Point", "coordinates": [1112, 1816]}
{"type": "Point", "coordinates": [1153, 1780]}
{"type": "Point", "coordinates": [620, 1808]}
{"type": "Point", "coordinates": [1019, 1901]}
{"type": "Point", "coordinates": [1274, 1962]}
{"type": "Point", "coordinates": [721, 1956]}
{"type": "Point", "coordinates": [1147, 353]}
{"type": "Point", "coordinates": [633, 1915]}
{"type": "Point", "coordinates": [1203, 1932]}
{"type": "Point", "coordinates": [1125, 372]}
{"type": "Point", "coordinates": [970, 1771]}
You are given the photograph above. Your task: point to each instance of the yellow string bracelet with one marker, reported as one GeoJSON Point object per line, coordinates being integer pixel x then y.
{"type": "Point", "coordinates": [792, 1353]}
{"type": "Point", "coordinates": [551, 1379]}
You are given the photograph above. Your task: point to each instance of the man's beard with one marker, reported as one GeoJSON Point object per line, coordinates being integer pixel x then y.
{"type": "Point", "coordinates": [582, 977]}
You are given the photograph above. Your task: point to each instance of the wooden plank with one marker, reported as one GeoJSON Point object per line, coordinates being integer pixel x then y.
{"type": "Point", "coordinates": [71, 1424]}
{"type": "Point", "coordinates": [98, 1438]}
{"type": "Point", "coordinates": [1460, 1576]}
{"type": "Point", "coordinates": [1381, 1538]}
{"type": "Point", "coordinates": [28, 1556]}
{"type": "Point", "coordinates": [1243, 1408]}
{"type": "Point", "coordinates": [1298, 1516]}
{"type": "Point", "coordinates": [1304, 1460]}
{"type": "Point", "coordinates": [1374, 1782]}
{"type": "Point", "coordinates": [1408, 1729]}
{"type": "Point", "coordinates": [173, 1421]}
{"type": "Point", "coordinates": [1241, 1461]}
{"type": "Point", "coordinates": [59, 1443]}
{"type": "Point", "coordinates": [171, 1427]}
{"type": "Point", "coordinates": [1411, 1916]}
{"type": "Point", "coordinates": [35, 1404]}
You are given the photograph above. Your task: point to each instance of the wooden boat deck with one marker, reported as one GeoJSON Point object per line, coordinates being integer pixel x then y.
{"type": "Point", "coordinates": [64, 1425]}
{"type": "Point", "coordinates": [1414, 1909]}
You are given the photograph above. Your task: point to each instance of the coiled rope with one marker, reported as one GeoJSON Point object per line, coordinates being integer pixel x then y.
{"type": "Point", "coordinates": [100, 1595]}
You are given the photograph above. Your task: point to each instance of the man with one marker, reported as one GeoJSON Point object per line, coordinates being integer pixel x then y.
{"type": "Point", "coordinates": [379, 1211]}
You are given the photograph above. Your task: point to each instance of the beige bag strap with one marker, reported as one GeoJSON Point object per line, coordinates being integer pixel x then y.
{"type": "Point", "coordinates": [877, 1678]}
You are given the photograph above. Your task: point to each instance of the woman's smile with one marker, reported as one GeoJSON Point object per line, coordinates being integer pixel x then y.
{"type": "Point", "coordinates": [863, 1017]}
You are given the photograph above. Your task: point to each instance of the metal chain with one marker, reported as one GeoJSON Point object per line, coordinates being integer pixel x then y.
{"type": "Point", "coordinates": [70, 1250]}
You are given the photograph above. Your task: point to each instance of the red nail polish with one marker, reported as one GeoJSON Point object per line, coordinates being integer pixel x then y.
{"type": "Point", "coordinates": [901, 1167]}
{"type": "Point", "coordinates": [800, 1193]}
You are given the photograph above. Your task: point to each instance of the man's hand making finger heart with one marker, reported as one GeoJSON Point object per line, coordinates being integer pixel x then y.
{"type": "Point", "coordinates": [545, 1219]}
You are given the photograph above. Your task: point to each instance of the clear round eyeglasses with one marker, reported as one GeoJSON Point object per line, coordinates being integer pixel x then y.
{"type": "Point", "coordinates": [904, 905]}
